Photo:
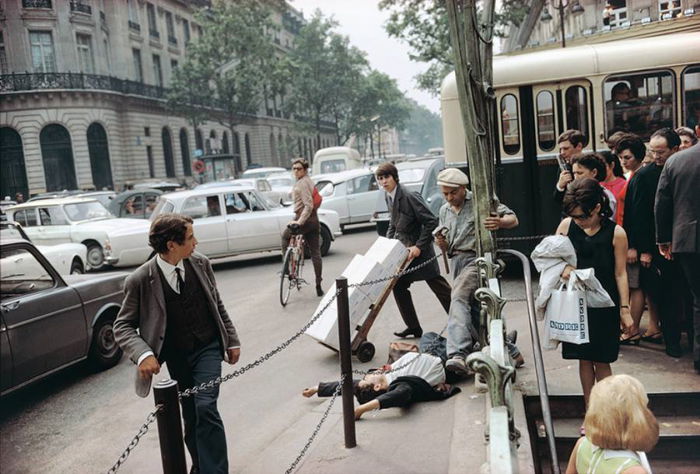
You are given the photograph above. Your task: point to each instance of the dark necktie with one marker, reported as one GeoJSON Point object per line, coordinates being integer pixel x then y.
{"type": "Point", "coordinates": [391, 203]}
{"type": "Point", "coordinates": [180, 281]}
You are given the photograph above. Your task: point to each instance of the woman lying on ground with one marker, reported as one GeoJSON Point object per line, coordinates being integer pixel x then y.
{"type": "Point", "coordinates": [417, 377]}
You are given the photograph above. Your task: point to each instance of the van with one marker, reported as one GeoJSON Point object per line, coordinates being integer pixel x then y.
{"type": "Point", "coordinates": [335, 159]}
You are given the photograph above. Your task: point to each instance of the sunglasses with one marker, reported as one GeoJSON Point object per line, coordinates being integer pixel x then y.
{"type": "Point", "coordinates": [580, 217]}
{"type": "Point", "coordinates": [297, 168]}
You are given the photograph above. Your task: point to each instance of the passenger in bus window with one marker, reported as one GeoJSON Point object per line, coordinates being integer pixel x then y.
{"type": "Point", "coordinates": [625, 112]}
{"type": "Point", "coordinates": [688, 137]}
{"type": "Point", "coordinates": [592, 165]}
{"type": "Point", "coordinates": [570, 146]}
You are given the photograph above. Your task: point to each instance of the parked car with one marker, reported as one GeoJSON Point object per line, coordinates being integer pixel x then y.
{"type": "Point", "coordinates": [419, 174]}
{"type": "Point", "coordinates": [80, 220]}
{"type": "Point", "coordinates": [335, 159]}
{"type": "Point", "coordinates": [67, 259]}
{"type": "Point", "coordinates": [51, 321]}
{"type": "Point", "coordinates": [283, 184]}
{"type": "Point", "coordinates": [352, 194]}
{"type": "Point", "coordinates": [103, 196]}
{"type": "Point", "coordinates": [261, 184]}
{"type": "Point", "coordinates": [228, 221]}
{"type": "Point", "coordinates": [165, 186]}
{"type": "Point", "coordinates": [137, 203]}
{"type": "Point", "coordinates": [262, 172]}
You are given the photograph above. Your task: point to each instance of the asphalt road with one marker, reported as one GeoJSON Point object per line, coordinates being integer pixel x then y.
{"type": "Point", "coordinates": [79, 421]}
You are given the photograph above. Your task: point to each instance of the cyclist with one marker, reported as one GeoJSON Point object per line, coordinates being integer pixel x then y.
{"type": "Point", "coordinates": [305, 217]}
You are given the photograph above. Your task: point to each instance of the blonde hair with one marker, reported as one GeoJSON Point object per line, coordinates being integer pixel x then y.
{"type": "Point", "coordinates": [618, 416]}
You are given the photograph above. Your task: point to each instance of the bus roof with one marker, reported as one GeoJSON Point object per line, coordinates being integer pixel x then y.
{"type": "Point", "coordinates": [583, 61]}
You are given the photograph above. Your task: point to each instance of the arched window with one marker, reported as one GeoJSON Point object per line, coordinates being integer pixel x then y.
{"type": "Point", "coordinates": [99, 156]}
{"type": "Point", "coordinates": [224, 143]}
{"type": "Point", "coordinates": [237, 151]}
{"type": "Point", "coordinates": [248, 155]}
{"type": "Point", "coordinates": [185, 153]}
{"type": "Point", "coordinates": [510, 127]}
{"type": "Point", "coordinates": [13, 178]}
{"type": "Point", "coordinates": [300, 147]}
{"type": "Point", "coordinates": [209, 145]}
{"type": "Point", "coordinates": [168, 153]}
{"type": "Point", "coordinates": [57, 155]}
{"type": "Point", "coordinates": [546, 137]}
{"type": "Point", "coordinates": [198, 140]}
{"type": "Point", "coordinates": [282, 148]}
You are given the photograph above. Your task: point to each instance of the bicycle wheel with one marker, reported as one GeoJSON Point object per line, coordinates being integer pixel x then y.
{"type": "Point", "coordinates": [286, 282]}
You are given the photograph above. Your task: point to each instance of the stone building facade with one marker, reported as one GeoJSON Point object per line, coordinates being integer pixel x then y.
{"type": "Point", "coordinates": [82, 98]}
{"type": "Point", "coordinates": [587, 21]}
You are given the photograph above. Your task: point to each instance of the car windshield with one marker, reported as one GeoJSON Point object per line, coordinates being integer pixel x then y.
{"type": "Point", "coordinates": [83, 211]}
{"type": "Point", "coordinates": [325, 188]}
{"type": "Point", "coordinates": [411, 175]}
{"type": "Point", "coordinates": [280, 181]}
{"type": "Point", "coordinates": [164, 206]}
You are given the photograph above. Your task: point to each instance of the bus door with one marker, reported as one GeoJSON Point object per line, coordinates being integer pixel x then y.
{"type": "Point", "coordinates": [514, 182]}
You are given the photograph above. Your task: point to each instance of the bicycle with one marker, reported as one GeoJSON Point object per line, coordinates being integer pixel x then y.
{"type": "Point", "coordinates": [292, 265]}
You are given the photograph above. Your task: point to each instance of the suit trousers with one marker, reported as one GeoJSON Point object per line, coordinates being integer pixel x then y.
{"type": "Point", "coordinates": [439, 286]}
{"type": "Point", "coordinates": [312, 234]}
{"type": "Point", "coordinates": [204, 430]}
{"type": "Point", "coordinates": [669, 295]}
{"type": "Point", "coordinates": [690, 262]}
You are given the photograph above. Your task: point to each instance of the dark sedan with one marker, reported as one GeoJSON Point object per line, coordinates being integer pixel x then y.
{"type": "Point", "coordinates": [49, 321]}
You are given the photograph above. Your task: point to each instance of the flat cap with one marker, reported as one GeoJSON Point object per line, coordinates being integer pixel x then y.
{"type": "Point", "coordinates": [452, 177]}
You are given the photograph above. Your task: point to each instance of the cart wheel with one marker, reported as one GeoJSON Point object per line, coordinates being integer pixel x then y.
{"type": "Point", "coordinates": [365, 352]}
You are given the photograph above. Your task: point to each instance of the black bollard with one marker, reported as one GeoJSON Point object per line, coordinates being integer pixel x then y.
{"type": "Point", "coordinates": [346, 361]}
{"type": "Point", "coordinates": [172, 447]}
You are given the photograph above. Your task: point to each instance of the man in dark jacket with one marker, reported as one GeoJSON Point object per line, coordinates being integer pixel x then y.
{"type": "Point", "coordinates": [678, 225]}
{"type": "Point", "coordinates": [657, 275]}
{"type": "Point", "coordinates": [412, 223]}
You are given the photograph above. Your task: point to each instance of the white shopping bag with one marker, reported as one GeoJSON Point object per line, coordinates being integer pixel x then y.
{"type": "Point", "coordinates": [566, 316]}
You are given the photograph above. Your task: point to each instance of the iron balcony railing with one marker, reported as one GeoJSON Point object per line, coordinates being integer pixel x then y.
{"type": "Point", "coordinates": [36, 3]}
{"type": "Point", "coordinates": [134, 26]}
{"type": "Point", "coordinates": [71, 80]}
{"type": "Point", "coordinates": [80, 7]}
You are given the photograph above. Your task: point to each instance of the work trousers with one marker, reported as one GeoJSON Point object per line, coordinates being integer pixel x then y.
{"type": "Point", "coordinates": [439, 286]}
{"type": "Point", "coordinates": [311, 230]}
{"type": "Point", "coordinates": [204, 430]}
{"type": "Point", "coordinates": [690, 263]}
{"type": "Point", "coordinates": [461, 329]}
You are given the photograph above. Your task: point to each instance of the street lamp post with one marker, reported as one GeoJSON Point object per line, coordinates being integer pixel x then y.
{"type": "Point", "coordinates": [576, 9]}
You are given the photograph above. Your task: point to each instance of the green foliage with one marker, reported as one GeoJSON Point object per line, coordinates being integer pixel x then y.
{"type": "Point", "coordinates": [423, 130]}
{"type": "Point", "coordinates": [423, 26]}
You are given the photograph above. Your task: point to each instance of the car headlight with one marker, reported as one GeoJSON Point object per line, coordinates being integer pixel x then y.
{"type": "Point", "coordinates": [107, 247]}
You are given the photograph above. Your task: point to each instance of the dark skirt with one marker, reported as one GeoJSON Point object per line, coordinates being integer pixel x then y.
{"type": "Point", "coordinates": [604, 336]}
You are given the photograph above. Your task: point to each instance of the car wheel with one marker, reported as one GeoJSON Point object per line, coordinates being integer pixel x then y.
{"type": "Point", "coordinates": [95, 256]}
{"type": "Point", "coordinates": [77, 268]}
{"type": "Point", "coordinates": [325, 240]}
{"type": "Point", "coordinates": [104, 350]}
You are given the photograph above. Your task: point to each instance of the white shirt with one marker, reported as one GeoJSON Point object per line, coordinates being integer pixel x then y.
{"type": "Point", "coordinates": [426, 366]}
{"type": "Point", "coordinates": [169, 272]}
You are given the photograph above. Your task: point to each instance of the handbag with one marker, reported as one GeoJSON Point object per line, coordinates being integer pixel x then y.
{"type": "Point", "coordinates": [566, 316]}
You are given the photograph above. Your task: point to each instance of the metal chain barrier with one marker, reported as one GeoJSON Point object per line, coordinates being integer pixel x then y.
{"type": "Point", "coordinates": [525, 237]}
{"type": "Point", "coordinates": [294, 464]}
{"type": "Point", "coordinates": [142, 432]}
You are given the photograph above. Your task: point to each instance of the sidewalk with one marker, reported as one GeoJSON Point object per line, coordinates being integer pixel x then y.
{"type": "Point", "coordinates": [448, 436]}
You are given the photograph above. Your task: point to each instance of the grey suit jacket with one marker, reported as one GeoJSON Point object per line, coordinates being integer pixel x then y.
{"type": "Point", "coordinates": [144, 309]}
{"type": "Point", "coordinates": [677, 206]}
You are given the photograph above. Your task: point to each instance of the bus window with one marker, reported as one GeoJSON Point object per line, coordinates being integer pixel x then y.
{"type": "Point", "coordinates": [509, 124]}
{"type": "Point", "coordinates": [577, 111]}
{"type": "Point", "coordinates": [691, 96]}
{"type": "Point", "coordinates": [639, 103]}
{"type": "Point", "coordinates": [545, 121]}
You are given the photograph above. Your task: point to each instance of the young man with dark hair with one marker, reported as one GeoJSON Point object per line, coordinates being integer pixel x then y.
{"type": "Point", "coordinates": [412, 223]}
{"type": "Point", "coordinates": [172, 313]}
{"type": "Point", "coordinates": [570, 146]}
{"type": "Point", "coordinates": [306, 217]}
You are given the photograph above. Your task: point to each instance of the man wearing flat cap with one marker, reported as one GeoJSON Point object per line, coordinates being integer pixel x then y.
{"type": "Point", "coordinates": [459, 241]}
{"type": "Point", "coordinates": [412, 223]}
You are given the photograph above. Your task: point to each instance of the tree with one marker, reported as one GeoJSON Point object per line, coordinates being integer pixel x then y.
{"type": "Point", "coordinates": [223, 67]}
{"type": "Point", "coordinates": [424, 27]}
{"type": "Point", "coordinates": [422, 131]}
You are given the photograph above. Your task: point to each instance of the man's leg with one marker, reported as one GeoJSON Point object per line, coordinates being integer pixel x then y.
{"type": "Point", "coordinates": [211, 439]}
{"type": "Point", "coordinates": [461, 333]}
{"type": "Point", "coordinates": [179, 371]}
{"type": "Point", "coordinates": [402, 295]}
{"type": "Point", "coordinates": [442, 289]}
{"type": "Point", "coordinates": [312, 236]}
{"type": "Point", "coordinates": [286, 235]}
{"type": "Point", "coordinates": [669, 304]}
{"type": "Point", "coordinates": [690, 262]}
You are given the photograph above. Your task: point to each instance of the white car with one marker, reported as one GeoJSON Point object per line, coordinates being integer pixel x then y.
{"type": "Point", "coordinates": [352, 194]}
{"type": "Point", "coordinates": [262, 172]}
{"type": "Point", "coordinates": [228, 221]}
{"type": "Point", "coordinates": [283, 184]}
{"type": "Point", "coordinates": [261, 184]}
{"type": "Point", "coordinates": [67, 259]}
{"type": "Point", "coordinates": [77, 220]}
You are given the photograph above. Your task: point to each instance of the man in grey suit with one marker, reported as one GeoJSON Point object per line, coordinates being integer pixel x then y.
{"type": "Point", "coordinates": [677, 212]}
{"type": "Point", "coordinates": [173, 302]}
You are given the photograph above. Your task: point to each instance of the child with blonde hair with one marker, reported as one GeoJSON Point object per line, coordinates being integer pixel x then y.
{"type": "Point", "coordinates": [620, 429]}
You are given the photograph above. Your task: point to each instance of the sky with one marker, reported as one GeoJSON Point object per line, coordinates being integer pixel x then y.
{"type": "Point", "coordinates": [362, 21]}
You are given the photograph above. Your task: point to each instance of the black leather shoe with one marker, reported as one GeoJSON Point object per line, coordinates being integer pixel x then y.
{"type": "Point", "coordinates": [319, 291]}
{"type": "Point", "coordinates": [674, 350]}
{"type": "Point", "coordinates": [410, 332]}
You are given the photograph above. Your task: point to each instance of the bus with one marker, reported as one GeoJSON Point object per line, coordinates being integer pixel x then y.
{"type": "Point", "coordinates": [541, 94]}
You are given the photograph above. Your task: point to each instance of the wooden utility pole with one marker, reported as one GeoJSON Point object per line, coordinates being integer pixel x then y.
{"type": "Point", "coordinates": [473, 51]}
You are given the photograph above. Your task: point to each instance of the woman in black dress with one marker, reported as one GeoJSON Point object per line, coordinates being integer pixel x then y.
{"type": "Point", "coordinates": [602, 245]}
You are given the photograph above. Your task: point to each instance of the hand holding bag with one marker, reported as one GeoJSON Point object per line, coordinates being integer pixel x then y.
{"type": "Point", "coordinates": [566, 316]}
